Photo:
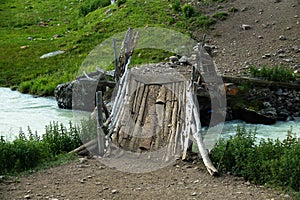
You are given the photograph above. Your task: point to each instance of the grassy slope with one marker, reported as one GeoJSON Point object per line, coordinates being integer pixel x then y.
{"type": "Point", "coordinates": [23, 68]}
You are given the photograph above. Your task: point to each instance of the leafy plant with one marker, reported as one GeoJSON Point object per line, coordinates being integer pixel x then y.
{"type": "Point", "coordinates": [28, 152]}
{"type": "Point", "coordinates": [120, 2]}
{"type": "Point", "coordinates": [188, 10]}
{"type": "Point", "coordinates": [92, 5]}
{"type": "Point", "coordinates": [220, 15]}
{"type": "Point", "coordinates": [176, 5]}
{"type": "Point", "coordinates": [269, 161]}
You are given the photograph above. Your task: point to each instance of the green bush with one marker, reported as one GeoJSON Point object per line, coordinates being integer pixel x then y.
{"type": "Point", "coordinates": [60, 139]}
{"type": "Point", "coordinates": [188, 10]}
{"type": "Point", "coordinates": [276, 73]}
{"type": "Point", "coordinates": [176, 5]}
{"type": "Point", "coordinates": [92, 5]}
{"type": "Point", "coordinates": [204, 21]}
{"type": "Point", "coordinates": [120, 2]}
{"type": "Point", "coordinates": [269, 161]}
{"type": "Point", "coordinates": [25, 153]}
{"type": "Point", "coordinates": [220, 15]}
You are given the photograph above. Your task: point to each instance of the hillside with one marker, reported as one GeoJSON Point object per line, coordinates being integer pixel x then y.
{"type": "Point", "coordinates": [29, 30]}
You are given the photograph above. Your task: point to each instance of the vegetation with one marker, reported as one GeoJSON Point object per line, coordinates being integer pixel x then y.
{"type": "Point", "coordinates": [29, 29]}
{"type": "Point", "coordinates": [220, 15]}
{"type": "Point", "coordinates": [188, 10]}
{"type": "Point", "coordinates": [267, 162]}
{"type": "Point", "coordinates": [276, 73]}
{"type": "Point", "coordinates": [90, 6]}
{"type": "Point", "coordinates": [27, 153]}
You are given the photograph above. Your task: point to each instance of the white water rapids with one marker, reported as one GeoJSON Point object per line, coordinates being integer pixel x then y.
{"type": "Point", "coordinates": [22, 110]}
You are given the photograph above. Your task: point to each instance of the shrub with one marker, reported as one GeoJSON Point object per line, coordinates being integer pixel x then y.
{"type": "Point", "coordinates": [120, 2]}
{"type": "Point", "coordinates": [188, 10]}
{"type": "Point", "coordinates": [176, 5]}
{"type": "Point", "coordinates": [220, 15]}
{"type": "Point", "coordinates": [269, 161]}
{"type": "Point", "coordinates": [23, 153]}
{"type": "Point", "coordinates": [60, 139]}
{"type": "Point", "coordinates": [276, 73]}
{"type": "Point", "coordinates": [92, 5]}
{"type": "Point", "coordinates": [205, 22]}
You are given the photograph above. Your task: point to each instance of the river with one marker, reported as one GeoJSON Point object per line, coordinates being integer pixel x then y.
{"type": "Point", "coordinates": [18, 111]}
{"type": "Point", "coordinates": [22, 110]}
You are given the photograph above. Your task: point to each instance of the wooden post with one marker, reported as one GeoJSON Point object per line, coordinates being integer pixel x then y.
{"type": "Point", "coordinates": [100, 135]}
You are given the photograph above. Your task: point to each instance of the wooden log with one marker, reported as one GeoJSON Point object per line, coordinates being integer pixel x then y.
{"type": "Point", "coordinates": [197, 136]}
{"type": "Point", "coordinates": [177, 141]}
{"type": "Point", "coordinates": [84, 146]}
{"type": "Point", "coordinates": [168, 114]}
{"type": "Point", "coordinates": [188, 121]}
{"type": "Point", "coordinates": [160, 115]}
{"type": "Point", "coordinates": [100, 134]}
{"type": "Point", "coordinates": [137, 128]}
{"type": "Point", "coordinates": [260, 83]}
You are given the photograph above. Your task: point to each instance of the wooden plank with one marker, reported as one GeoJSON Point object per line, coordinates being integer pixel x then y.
{"type": "Point", "coordinates": [100, 135]}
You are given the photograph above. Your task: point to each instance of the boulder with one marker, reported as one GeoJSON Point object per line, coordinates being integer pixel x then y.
{"type": "Point", "coordinates": [255, 117]}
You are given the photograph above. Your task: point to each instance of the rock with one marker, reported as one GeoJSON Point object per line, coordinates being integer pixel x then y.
{"type": "Point", "coordinates": [29, 38]}
{"type": "Point", "coordinates": [194, 194]}
{"type": "Point", "coordinates": [173, 59]}
{"type": "Point", "coordinates": [282, 37]}
{"type": "Point", "coordinates": [269, 112]}
{"type": "Point", "coordinates": [279, 92]}
{"type": "Point", "coordinates": [114, 191]}
{"type": "Point", "coordinates": [51, 54]}
{"type": "Point", "coordinates": [27, 196]}
{"type": "Point", "coordinates": [24, 47]}
{"type": "Point", "coordinates": [184, 60]}
{"type": "Point", "coordinates": [57, 36]}
{"type": "Point", "coordinates": [246, 27]}
{"type": "Point", "coordinates": [267, 104]}
{"type": "Point", "coordinates": [63, 94]}
{"type": "Point", "coordinates": [255, 117]}
{"type": "Point", "coordinates": [82, 160]}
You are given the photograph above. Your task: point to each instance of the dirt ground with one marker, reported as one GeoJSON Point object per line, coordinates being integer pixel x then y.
{"type": "Point", "coordinates": [273, 39]}
{"type": "Point", "coordinates": [91, 179]}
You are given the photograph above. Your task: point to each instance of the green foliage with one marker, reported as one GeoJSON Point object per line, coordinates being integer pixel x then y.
{"type": "Point", "coordinates": [188, 10]}
{"type": "Point", "coordinates": [220, 15]}
{"type": "Point", "coordinates": [269, 161]}
{"type": "Point", "coordinates": [204, 21]}
{"type": "Point", "coordinates": [233, 9]}
{"type": "Point", "coordinates": [26, 153]}
{"type": "Point", "coordinates": [276, 73]}
{"type": "Point", "coordinates": [120, 2]}
{"type": "Point", "coordinates": [23, 69]}
{"type": "Point", "coordinates": [220, 1]}
{"type": "Point", "coordinates": [176, 5]}
{"type": "Point", "coordinates": [60, 139]}
{"type": "Point", "coordinates": [22, 154]}
{"type": "Point", "coordinates": [92, 5]}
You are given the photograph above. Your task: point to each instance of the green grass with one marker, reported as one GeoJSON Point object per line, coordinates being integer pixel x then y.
{"type": "Point", "coordinates": [274, 73]}
{"type": "Point", "coordinates": [23, 69]}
